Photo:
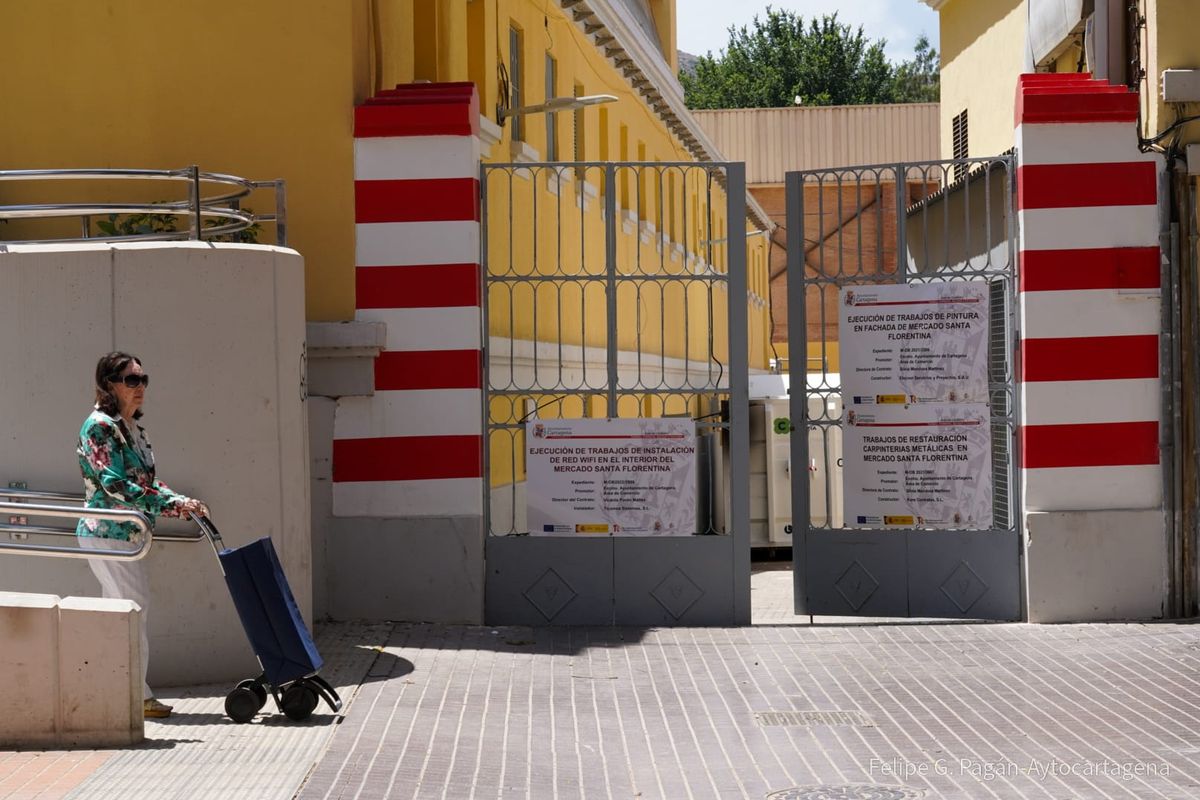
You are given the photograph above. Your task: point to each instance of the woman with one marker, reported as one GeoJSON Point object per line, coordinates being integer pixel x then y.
{"type": "Point", "coordinates": [118, 472]}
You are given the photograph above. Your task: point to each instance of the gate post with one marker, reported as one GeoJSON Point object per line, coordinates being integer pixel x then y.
{"type": "Point", "coordinates": [1090, 320]}
{"type": "Point", "coordinates": [407, 459]}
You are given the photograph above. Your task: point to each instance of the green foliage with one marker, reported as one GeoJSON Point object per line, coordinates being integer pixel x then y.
{"type": "Point", "coordinates": [823, 63]}
{"type": "Point", "coordinates": [917, 81]}
{"type": "Point", "coordinates": [146, 224]}
{"type": "Point", "coordinates": [136, 224]}
{"type": "Point", "coordinates": [244, 236]}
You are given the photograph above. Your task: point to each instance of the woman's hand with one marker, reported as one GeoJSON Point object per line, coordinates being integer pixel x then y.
{"type": "Point", "coordinates": [194, 506]}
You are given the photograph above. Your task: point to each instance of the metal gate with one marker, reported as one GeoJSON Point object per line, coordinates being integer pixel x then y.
{"type": "Point", "coordinates": [616, 290]}
{"type": "Point", "coordinates": [885, 224]}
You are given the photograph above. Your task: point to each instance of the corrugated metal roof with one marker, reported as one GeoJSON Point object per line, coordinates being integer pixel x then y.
{"type": "Point", "coordinates": [773, 141]}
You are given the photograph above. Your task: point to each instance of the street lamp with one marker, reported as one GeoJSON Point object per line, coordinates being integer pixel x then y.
{"type": "Point", "coordinates": [554, 104]}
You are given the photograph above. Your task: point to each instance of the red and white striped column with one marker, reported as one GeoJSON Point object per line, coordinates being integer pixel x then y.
{"type": "Point", "coordinates": [414, 448]}
{"type": "Point", "coordinates": [1087, 202]}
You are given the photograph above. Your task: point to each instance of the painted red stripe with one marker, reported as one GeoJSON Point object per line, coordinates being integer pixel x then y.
{"type": "Point", "coordinates": [1096, 445]}
{"type": "Point", "coordinates": [629, 436]}
{"type": "Point", "coordinates": [1092, 358]}
{"type": "Point", "coordinates": [407, 458]}
{"type": "Point", "coordinates": [417, 200]}
{"type": "Point", "coordinates": [1075, 101]}
{"type": "Point", "coordinates": [1105, 268]}
{"type": "Point", "coordinates": [429, 369]}
{"type": "Point", "coordinates": [1132, 183]}
{"type": "Point", "coordinates": [418, 286]}
{"type": "Point", "coordinates": [416, 109]}
{"type": "Point", "coordinates": [942, 301]}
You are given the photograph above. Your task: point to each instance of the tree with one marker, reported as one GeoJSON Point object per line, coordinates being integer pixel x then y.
{"type": "Point", "coordinates": [822, 63]}
{"type": "Point", "coordinates": [917, 81]}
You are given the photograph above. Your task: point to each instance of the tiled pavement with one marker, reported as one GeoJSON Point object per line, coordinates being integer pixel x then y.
{"type": "Point", "coordinates": [886, 710]}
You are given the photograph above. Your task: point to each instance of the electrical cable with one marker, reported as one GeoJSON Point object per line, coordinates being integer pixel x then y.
{"type": "Point", "coordinates": [770, 296]}
{"type": "Point", "coordinates": [538, 408]}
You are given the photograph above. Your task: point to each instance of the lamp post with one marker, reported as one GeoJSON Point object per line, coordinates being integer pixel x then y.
{"type": "Point", "coordinates": [553, 105]}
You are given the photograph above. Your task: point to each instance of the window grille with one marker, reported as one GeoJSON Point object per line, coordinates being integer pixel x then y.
{"type": "Point", "coordinates": [551, 118]}
{"type": "Point", "coordinates": [958, 137]}
{"type": "Point", "coordinates": [516, 82]}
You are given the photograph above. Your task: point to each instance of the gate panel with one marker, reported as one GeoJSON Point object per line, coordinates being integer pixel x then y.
{"type": "Point", "coordinates": [549, 581]}
{"type": "Point", "coordinates": [616, 290]}
{"type": "Point", "coordinates": [965, 574]}
{"type": "Point", "coordinates": [676, 581]}
{"type": "Point", "coordinates": [859, 573]}
{"type": "Point", "coordinates": [933, 222]}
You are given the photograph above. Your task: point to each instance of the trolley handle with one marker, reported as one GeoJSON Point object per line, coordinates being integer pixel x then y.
{"type": "Point", "coordinates": [210, 530]}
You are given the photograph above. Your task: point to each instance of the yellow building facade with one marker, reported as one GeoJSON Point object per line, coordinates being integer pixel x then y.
{"type": "Point", "coordinates": [986, 45]}
{"type": "Point", "coordinates": [274, 90]}
{"type": "Point", "coordinates": [263, 90]}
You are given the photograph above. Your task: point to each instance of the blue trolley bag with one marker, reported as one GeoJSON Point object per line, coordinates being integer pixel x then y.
{"type": "Point", "coordinates": [276, 631]}
{"type": "Point", "coordinates": [269, 613]}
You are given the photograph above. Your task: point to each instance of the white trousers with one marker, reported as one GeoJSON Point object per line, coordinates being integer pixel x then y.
{"type": "Point", "coordinates": [124, 580]}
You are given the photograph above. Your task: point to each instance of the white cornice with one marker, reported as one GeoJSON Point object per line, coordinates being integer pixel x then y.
{"type": "Point", "coordinates": [936, 5]}
{"type": "Point", "coordinates": [619, 36]}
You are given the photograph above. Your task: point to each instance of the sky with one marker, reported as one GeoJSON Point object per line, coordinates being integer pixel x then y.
{"type": "Point", "coordinates": [703, 25]}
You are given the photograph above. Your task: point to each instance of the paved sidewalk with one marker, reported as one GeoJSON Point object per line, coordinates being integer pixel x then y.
{"type": "Point", "coordinates": [948, 711]}
{"type": "Point", "coordinates": [830, 710]}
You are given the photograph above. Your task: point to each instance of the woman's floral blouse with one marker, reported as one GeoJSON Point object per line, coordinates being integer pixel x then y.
{"type": "Point", "coordinates": [118, 472]}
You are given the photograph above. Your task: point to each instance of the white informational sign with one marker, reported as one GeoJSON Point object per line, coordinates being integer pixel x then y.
{"type": "Point", "coordinates": [927, 342]}
{"type": "Point", "coordinates": [926, 465]}
{"type": "Point", "coordinates": [917, 440]}
{"type": "Point", "coordinates": [618, 477]}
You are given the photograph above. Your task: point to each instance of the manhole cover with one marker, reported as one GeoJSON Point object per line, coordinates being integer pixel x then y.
{"type": "Point", "coordinates": [812, 718]}
{"type": "Point", "coordinates": [860, 792]}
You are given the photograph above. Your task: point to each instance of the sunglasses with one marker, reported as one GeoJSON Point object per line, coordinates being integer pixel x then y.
{"type": "Point", "coordinates": [132, 381]}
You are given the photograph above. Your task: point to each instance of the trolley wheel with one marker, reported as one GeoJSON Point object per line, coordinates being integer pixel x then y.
{"type": "Point", "coordinates": [259, 690]}
{"type": "Point", "coordinates": [298, 701]}
{"type": "Point", "coordinates": [242, 704]}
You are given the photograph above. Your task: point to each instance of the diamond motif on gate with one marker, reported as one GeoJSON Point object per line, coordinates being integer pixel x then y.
{"type": "Point", "coordinates": [856, 585]}
{"type": "Point", "coordinates": [964, 587]}
{"type": "Point", "coordinates": [677, 593]}
{"type": "Point", "coordinates": [550, 594]}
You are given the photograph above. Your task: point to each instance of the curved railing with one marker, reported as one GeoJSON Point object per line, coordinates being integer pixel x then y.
{"type": "Point", "coordinates": [24, 503]}
{"type": "Point", "coordinates": [211, 196]}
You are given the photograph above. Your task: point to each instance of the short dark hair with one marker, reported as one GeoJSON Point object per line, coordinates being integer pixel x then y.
{"type": "Point", "coordinates": [108, 369]}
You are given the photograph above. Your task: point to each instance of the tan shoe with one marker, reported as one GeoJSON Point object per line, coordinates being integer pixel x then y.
{"type": "Point", "coordinates": [151, 708]}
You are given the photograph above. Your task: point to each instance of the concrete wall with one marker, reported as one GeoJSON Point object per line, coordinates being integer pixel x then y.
{"type": "Point", "coordinates": [72, 671]}
{"type": "Point", "coordinates": [419, 569]}
{"type": "Point", "coordinates": [221, 330]}
{"type": "Point", "coordinates": [1091, 380]}
{"type": "Point", "coordinates": [1089, 567]}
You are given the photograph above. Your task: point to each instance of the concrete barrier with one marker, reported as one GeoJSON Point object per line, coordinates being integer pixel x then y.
{"type": "Point", "coordinates": [71, 671]}
{"type": "Point", "coordinates": [1096, 566]}
{"type": "Point", "coordinates": [221, 329]}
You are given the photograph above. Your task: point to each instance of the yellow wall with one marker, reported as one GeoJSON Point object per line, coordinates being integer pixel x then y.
{"type": "Point", "coordinates": [983, 51]}
{"type": "Point", "coordinates": [983, 46]}
{"type": "Point", "coordinates": [261, 90]}
{"type": "Point", "coordinates": [1171, 34]}
{"type": "Point", "coordinates": [1068, 60]}
{"type": "Point", "coordinates": [570, 236]}
{"type": "Point", "coordinates": [581, 65]}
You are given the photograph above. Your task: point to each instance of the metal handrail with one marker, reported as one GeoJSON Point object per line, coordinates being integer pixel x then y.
{"type": "Point", "coordinates": [74, 512]}
{"type": "Point", "coordinates": [24, 508]}
{"type": "Point", "coordinates": [196, 207]}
